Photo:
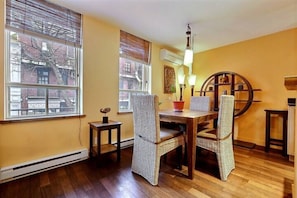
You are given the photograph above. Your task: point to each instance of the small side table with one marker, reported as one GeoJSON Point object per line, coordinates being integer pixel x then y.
{"type": "Point", "coordinates": [105, 148]}
{"type": "Point", "coordinates": [271, 141]}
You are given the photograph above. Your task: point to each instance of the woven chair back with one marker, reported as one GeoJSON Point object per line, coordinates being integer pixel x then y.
{"type": "Point", "coordinates": [146, 117]}
{"type": "Point", "coordinates": [225, 117]}
{"type": "Point", "coordinates": [200, 103]}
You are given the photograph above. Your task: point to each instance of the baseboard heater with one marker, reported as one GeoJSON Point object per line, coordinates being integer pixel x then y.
{"type": "Point", "coordinates": [29, 168]}
{"type": "Point", "coordinates": [127, 143]}
{"type": "Point", "coordinates": [37, 166]}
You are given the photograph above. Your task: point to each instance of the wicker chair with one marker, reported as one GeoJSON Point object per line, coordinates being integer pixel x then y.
{"type": "Point", "coordinates": [200, 103]}
{"type": "Point", "coordinates": [219, 140]}
{"type": "Point", "coordinates": [151, 141]}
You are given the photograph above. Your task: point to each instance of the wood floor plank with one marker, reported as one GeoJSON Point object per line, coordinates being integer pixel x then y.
{"type": "Point", "coordinates": [257, 174]}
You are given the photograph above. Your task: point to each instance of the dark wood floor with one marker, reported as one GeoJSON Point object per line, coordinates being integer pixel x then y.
{"type": "Point", "coordinates": [257, 174]}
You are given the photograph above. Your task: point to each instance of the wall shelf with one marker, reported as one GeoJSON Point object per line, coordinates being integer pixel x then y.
{"type": "Point", "coordinates": [230, 83]}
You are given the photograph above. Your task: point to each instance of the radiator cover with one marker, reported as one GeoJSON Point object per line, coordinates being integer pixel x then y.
{"type": "Point", "coordinates": [37, 166]}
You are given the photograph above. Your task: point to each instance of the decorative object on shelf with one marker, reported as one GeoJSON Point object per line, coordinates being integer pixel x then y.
{"type": "Point", "coordinates": [192, 82]}
{"type": "Point", "coordinates": [224, 79]}
{"type": "Point", "coordinates": [188, 58]}
{"type": "Point", "coordinates": [105, 111]}
{"type": "Point", "coordinates": [240, 86]}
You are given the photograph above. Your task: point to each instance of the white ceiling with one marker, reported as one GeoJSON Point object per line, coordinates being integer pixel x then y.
{"type": "Point", "coordinates": [214, 23]}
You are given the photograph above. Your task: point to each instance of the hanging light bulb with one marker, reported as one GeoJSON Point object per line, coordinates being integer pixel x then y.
{"type": "Point", "coordinates": [188, 58]}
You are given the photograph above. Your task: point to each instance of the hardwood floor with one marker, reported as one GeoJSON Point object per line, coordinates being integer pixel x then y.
{"type": "Point", "coordinates": [257, 174]}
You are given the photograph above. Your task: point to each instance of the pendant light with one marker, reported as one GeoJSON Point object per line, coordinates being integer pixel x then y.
{"type": "Point", "coordinates": [188, 58]}
{"type": "Point", "coordinates": [192, 82]}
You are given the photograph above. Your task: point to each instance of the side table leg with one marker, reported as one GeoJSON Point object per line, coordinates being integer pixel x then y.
{"type": "Point", "coordinates": [91, 143]}
{"type": "Point", "coordinates": [285, 132]}
{"type": "Point", "coordinates": [267, 142]}
{"type": "Point", "coordinates": [118, 143]}
{"type": "Point", "coordinates": [98, 145]}
{"type": "Point", "coordinates": [109, 136]}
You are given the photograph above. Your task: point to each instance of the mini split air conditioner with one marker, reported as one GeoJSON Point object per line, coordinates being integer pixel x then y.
{"type": "Point", "coordinates": [169, 56]}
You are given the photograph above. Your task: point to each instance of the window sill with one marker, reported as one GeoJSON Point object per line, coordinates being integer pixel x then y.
{"type": "Point", "coordinates": [8, 121]}
{"type": "Point", "coordinates": [125, 112]}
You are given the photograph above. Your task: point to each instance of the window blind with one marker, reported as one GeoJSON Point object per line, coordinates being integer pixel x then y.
{"type": "Point", "coordinates": [44, 19]}
{"type": "Point", "coordinates": [134, 48]}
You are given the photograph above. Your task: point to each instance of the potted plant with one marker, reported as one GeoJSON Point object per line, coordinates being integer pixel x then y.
{"type": "Point", "coordinates": [178, 105]}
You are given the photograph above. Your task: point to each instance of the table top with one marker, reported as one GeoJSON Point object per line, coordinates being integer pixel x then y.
{"type": "Point", "coordinates": [100, 124]}
{"type": "Point", "coordinates": [186, 113]}
{"type": "Point", "coordinates": [276, 110]}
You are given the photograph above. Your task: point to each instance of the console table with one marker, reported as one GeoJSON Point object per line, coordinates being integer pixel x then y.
{"type": "Point", "coordinates": [105, 148]}
{"type": "Point", "coordinates": [272, 141]}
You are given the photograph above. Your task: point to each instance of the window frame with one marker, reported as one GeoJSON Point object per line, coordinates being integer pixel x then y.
{"type": "Point", "coordinates": [136, 51]}
{"type": "Point", "coordinates": [146, 88]}
{"type": "Point", "coordinates": [48, 87]}
{"type": "Point", "coordinates": [77, 74]}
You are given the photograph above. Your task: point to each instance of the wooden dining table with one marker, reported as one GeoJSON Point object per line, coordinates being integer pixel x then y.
{"type": "Point", "coordinates": [190, 118]}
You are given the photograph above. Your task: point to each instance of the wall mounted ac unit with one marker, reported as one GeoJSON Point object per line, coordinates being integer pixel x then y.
{"type": "Point", "coordinates": [169, 56]}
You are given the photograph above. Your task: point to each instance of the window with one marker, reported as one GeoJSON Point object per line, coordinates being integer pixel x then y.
{"type": "Point", "coordinates": [134, 69]}
{"type": "Point", "coordinates": [42, 75]}
{"type": "Point", "coordinates": [43, 52]}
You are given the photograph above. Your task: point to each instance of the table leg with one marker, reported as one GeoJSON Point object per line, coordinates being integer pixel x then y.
{"type": "Point", "coordinates": [267, 142]}
{"type": "Point", "coordinates": [98, 144]}
{"type": "Point", "coordinates": [191, 133]}
{"type": "Point", "coordinates": [109, 136]}
{"type": "Point", "coordinates": [91, 142]}
{"type": "Point", "coordinates": [285, 132]}
{"type": "Point", "coordinates": [118, 143]}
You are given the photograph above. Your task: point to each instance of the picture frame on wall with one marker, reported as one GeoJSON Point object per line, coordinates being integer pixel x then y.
{"type": "Point", "coordinates": [169, 80]}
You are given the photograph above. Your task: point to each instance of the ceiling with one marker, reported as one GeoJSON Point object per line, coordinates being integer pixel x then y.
{"type": "Point", "coordinates": [214, 23]}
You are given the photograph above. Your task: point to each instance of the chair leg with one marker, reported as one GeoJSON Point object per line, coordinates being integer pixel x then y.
{"type": "Point", "coordinates": [165, 157]}
{"type": "Point", "coordinates": [179, 154]}
{"type": "Point", "coordinates": [185, 160]}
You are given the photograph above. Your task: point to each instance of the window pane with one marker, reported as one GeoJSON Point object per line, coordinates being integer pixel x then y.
{"type": "Point", "coordinates": [28, 102]}
{"type": "Point", "coordinates": [40, 61]}
{"type": "Point", "coordinates": [125, 102]}
{"type": "Point", "coordinates": [62, 101]}
{"type": "Point", "coordinates": [132, 75]}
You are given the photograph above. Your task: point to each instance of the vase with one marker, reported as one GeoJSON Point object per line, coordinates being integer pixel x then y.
{"type": "Point", "coordinates": [178, 105]}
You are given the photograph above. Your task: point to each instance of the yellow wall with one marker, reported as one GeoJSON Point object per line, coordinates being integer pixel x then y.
{"type": "Point", "coordinates": [25, 141]}
{"type": "Point", "coordinates": [263, 61]}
